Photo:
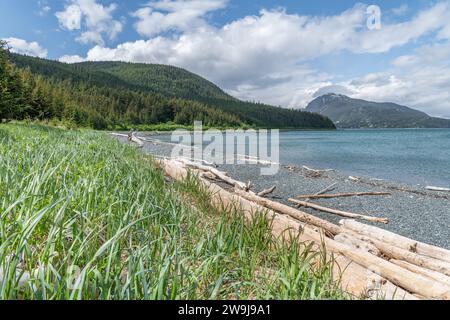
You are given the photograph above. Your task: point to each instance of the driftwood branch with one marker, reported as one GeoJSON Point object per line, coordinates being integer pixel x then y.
{"type": "Point", "coordinates": [317, 171]}
{"type": "Point", "coordinates": [329, 188]}
{"type": "Point", "coordinates": [136, 140]}
{"type": "Point", "coordinates": [342, 195]}
{"type": "Point", "coordinates": [267, 192]}
{"type": "Point", "coordinates": [338, 212]}
{"type": "Point", "coordinates": [219, 174]}
{"type": "Point", "coordinates": [438, 189]}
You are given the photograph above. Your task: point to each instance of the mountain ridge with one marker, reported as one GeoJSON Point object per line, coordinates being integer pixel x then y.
{"type": "Point", "coordinates": [350, 113]}
{"type": "Point", "coordinates": [121, 80]}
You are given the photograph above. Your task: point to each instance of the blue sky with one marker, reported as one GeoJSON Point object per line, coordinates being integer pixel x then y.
{"type": "Point", "coordinates": [279, 52]}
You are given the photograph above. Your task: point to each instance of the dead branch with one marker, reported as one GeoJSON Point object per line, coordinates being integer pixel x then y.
{"type": "Point", "coordinates": [339, 212]}
{"type": "Point", "coordinates": [343, 195]}
{"type": "Point", "coordinates": [438, 189]}
{"type": "Point", "coordinates": [267, 191]}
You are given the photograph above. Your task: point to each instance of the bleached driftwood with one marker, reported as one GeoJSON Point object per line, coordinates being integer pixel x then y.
{"type": "Point", "coordinates": [343, 195]}
{"type": "Point", "coordinates": [267, 191]}
{"type": "Point", "coordinates": [397, 240]}
{"type": "Point", "coordinates": [339, 212]}
{"type": "Point", "coordinates": [438, 189]}
{"type": "Point", "coordinates": [202, 161]}
{"type": "Point", "coordinates": [357, 243]}
{"type": "Point", "coordinates": [131, 137]}
{"type": "Point", "coordinates": [297, 214]}
{"type": "Point", "coordinates": [329, 188]}
{"type": "Point", "coordinates": [412, 282]}
{"type": "Point", "coordinates": [317, 171]}
{"type": "Point", "coordinates": [355, 279]}
{"type": "Point", "coordinates": [414, 258]}
{"type": "Point", "coordinates": [425, 272]}
{"type": "Point", "coordinates": [217, 173]}
{"type": "Point", "coordinates": [403, 278]}
{"type": "Point", "coordinates": [136, 140]}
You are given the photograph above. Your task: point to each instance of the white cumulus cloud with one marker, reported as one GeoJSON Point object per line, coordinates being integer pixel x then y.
{"type": "Point", "coordinates": [420, 81]}
{"type": "Point", "coordinates": [96, 20]}
{"type": "Point", "coordinates": [70, 18]}
{"type": "Point", "coordinates": [180, 15]}
{"type": "Point", "coordinates": [28, 48]}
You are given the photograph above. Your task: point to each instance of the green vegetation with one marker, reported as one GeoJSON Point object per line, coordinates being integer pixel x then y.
{"type": "Point", "coordinates": [166, 80]}
{"type": "Point", "coordinates": [85, 217]}
{"type": "Point", "coordinates": [116, 95]}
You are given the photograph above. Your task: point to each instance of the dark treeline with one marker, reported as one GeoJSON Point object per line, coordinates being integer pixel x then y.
{"type": "Point", "coordinates": [24, 94]}
{"type": "Point", "coordinates": [263, 115]}
{"type": "Point", "coordinates": [112, 95]}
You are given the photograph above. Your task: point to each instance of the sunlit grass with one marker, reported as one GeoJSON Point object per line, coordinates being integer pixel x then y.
{"type": "Point", "coordinates": [84, 217]}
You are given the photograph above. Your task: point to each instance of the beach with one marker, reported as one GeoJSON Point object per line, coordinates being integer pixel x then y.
{"type": "Point", "coordinates": [412, 211]}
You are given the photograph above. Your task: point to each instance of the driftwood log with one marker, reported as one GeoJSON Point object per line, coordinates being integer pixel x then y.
{"type": "Point", "coordinates": [354, 278]}
{"type": "Point", "coordinates": [219, 174]}
{"type": "Point", "coordinates": [425, 272]}
{"type": "Point", "coordinates": [292, 212]}
{"type": "Point", "coordinates": [357, 265]}
{"type": "Point", "coordinates": [357, 243]}
{"type": "Point", "coordinates": [338, 212]}
{"type": "Point", "coordinates": [342, 195]}
{"type": "Point", "coordinates": [397, 240]}
{"type": "Point", "coordinates": [394, 252]}
{"type": "Point", "coordinates": [412, 282]}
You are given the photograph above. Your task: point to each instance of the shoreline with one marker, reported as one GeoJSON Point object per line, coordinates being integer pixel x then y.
{"type": "Point", "coordinates": [412, 211]}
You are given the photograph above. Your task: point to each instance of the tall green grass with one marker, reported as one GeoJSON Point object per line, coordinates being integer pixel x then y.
{"type": "Point", "coordinates": [84, 217]}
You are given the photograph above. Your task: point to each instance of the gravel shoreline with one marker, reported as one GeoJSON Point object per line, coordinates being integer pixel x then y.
{"type": "Point", "coordinates": [412, 211]}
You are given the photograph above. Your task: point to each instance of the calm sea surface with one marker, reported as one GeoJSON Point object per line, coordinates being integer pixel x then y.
{"type": "Point", "coordinates": [417, 156]}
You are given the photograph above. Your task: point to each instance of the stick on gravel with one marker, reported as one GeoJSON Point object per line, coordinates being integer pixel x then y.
{"type": "Point", "coordinates": [343, 195]}
{"type": "Point", "coordinates": [339, 212]}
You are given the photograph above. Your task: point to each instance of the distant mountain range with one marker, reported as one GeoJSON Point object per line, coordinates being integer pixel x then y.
{"type": "Point", "coordinates": [346, 112]}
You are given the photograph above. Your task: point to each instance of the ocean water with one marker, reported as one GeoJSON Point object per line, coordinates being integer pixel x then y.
{"type": "Point", "coordinates": [414, 156]}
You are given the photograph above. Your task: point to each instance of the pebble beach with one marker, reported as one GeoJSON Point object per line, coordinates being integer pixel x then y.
{"type": "Point", "coordinates": [412, 211]}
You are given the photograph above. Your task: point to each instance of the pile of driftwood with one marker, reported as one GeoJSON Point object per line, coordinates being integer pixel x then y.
{"type": "Point", "coordinates": [369, 262]}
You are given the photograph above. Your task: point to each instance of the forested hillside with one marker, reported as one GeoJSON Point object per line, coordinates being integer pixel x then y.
{"type": "Point", "coordinates": [114, 95]}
